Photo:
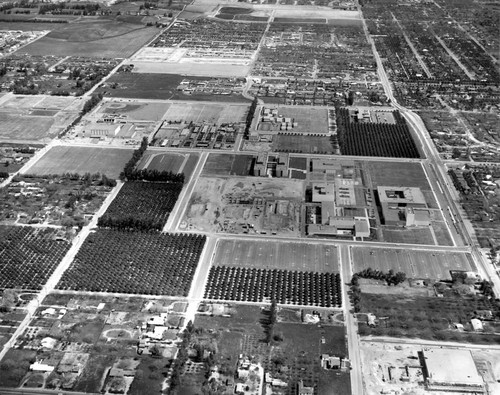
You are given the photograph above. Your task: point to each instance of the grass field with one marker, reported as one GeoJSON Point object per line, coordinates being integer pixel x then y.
{"type": "Point", "coordinates": [416, 264]}
{"type": "Point", "coordinates": [398, 174]}
{"type": "Point", "coordinates": [227, 164]}
{"type": "Point", "coordinates": [61, 159]}
{"type": "Point", "coordinates": [418, 235]}
{"type": "Point", "coordinates": [302, 143]}
{"type": "Point", "coordinates": [17, 127]}
{"type": "Point", "coordinates": [309, 119]}
{"type": "Point", "coordinates": [206, 112]}
{"type": "Point", "coordinates": [174, 162]}
{"type": "Point", "coordinates": [274, 255]}
{"type": "Point", "coordinates": [96, 37]}
{"type": "Point", "coordinates": [141, 111]}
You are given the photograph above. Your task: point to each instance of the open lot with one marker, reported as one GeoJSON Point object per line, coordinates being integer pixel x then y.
{"type": "Point", "coordinates": [277, 255]}
{"type": "Point", "coordinates": [416, 264]}
{"type": "Point", "coordinates": [66, 159]}
{"type": "Point", "coordinates": [206, 112]}
{"type": "Point", "coordinates": [197, 67]}
{"type": "Point", "coordinates": [93, 37]}
{"type": "Point", "coordinates": [398, 174]}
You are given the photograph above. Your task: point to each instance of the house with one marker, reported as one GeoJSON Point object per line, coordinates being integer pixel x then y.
{"type": "Point", "coordinates": [477, 325]}
{"type": "Point", "coordinates": [330, 362]}
{"type": "Point", "coordinates": [303, 390]}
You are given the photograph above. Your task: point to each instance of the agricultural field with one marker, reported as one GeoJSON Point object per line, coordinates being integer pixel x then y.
{"type": "Point", "coordinates": [432, 265]}
{"type": "Point", "coordinates": [375, 139]}
{"type": "Point", "coordinates": [277, 255]}
{"type": "Point", "coordinates": [242, 335]}
{"type": "Point", "coordinates": [230, 283]}
{"type": "Point", "coordinates": [228, 164]}
{"type": "Point", "coordinates": [134, 262]}
{"type": "Point", "coordinates": [35, 119]}
{"type": "Point", "coordinates": [83, 337]}
{"type": "Point", "coordinates": [216, 113]}
{"type": "Point", "coordinates": [184, 163]}
{"type": "Point", "coordinates": [81, 160]}
{"type": "Point", "coordinates": [94, 38]}
{"type": "Point", "coordinates": [66, 200]}
{"type": "Point", "coordinates": [28, 256]}
{"type": "Point", "coordinates": [245, 205]}
{"type": "Point", "coordinates": [141, 205]}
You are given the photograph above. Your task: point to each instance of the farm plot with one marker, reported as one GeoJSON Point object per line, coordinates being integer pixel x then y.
{"type": "Point", "coordinates": [135, 262]}
{"type": "Point", "coordinates": [284, 286]}
{"type": "Point", "coordinates": [375, 139]}
{"type": "Point", "coordinates": [94, 38]}
{"type": "Point", "coordinates": [142, 205]}
{"type": "Point", "coordinates": [302, 144]}
{"type": "Point", "coordinates": [228, 164]}
{"type": "Point", "coordinates": [206, 112]}
{"type": "Point", "coordinates": [416, 264]}
{"type": "Point", "coordinates": [28, 256]}
{"type": "Point", "coordinates": [273, 255]}
{"type": "Point", "coordinates": [136, 110]}
{"type": "Point", "coordinates": [81, 160]}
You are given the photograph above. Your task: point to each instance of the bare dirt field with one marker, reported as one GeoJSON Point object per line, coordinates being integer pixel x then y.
{"type": "Point", "coordinates": [196, 67]}
{"type": "Point", "coordinates": [416, 264]}
{"type": "Point", "coordinates": [174, 162]}
{"type": "Point", "coordinates": [277, 255]}
{"type": "Point", "coordinates": [64, 159]}
{"type": "Point", "coordinates": [245, 205]}
{"type": "Point", "coordinates": [302, 143]}
{"type": "Point", "coordinates": [227, 164]}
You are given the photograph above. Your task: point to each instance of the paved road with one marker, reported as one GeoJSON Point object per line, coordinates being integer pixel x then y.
{"type": "Point", "coordinates": [351, 324]}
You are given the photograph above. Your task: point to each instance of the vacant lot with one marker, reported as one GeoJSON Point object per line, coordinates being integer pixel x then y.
{"type": "Point", "coordinates": [302, 143]}
{"type": "Point", "coordinates": [420, 235]}
{"type": "Point", "coordinates": [22, 127]}
{"type": "Point", "coordinates": [416, 264]}
{"type": "Point", "coordinates": [96, 37]}
{"type": "Point", "coordinates": [228, 164]}
{"type": "Point", "coordinates": [275, 255]}
{"type": "Point", "coordinates": [61, 159]}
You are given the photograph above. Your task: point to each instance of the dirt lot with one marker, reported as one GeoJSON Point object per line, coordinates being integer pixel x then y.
{"type": "Point", "coordinates": [135, 110]}
{"type": "Point", "coordinates": [398, 174]}
{"type": "Point", "coordinates": [61, 159]}
{"type": "Point", "coordinates": [244, 205]}
{"type": "Point", "coordinates": [174, 162]}
{"type": "Point", "coordinates": [378, 357]}
{"type": "Point", "coordinates": [416, 264]}
{"type": "Point", "coordinates": [196, 67]}
{"type": "Point", "coordinates": [273, 255]}
{"type": "Point", "coordinates": [302, 143]}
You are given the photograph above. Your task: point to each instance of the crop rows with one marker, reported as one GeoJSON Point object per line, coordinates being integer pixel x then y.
{"type": "Point", "coordinates": [142, 205]}
{"type": "Point", "coordinates": [375, 139]}
{"type": "Point", "coordinates": [134, 262]}
{"type": "Point", "coordinates": [28, 256]}
{"type": "Point", "coordinates": [284, 286]}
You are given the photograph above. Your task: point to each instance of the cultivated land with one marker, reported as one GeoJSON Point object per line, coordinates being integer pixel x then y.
{"type": "Point", "coordinates": [206, 112]}
{"type": "Point", "coordinates": [68, 159]}
{"type": "Point", "coordinates": [227, 164]}
{"type": "Point", "coordinates": [415, 264]}
{"type": "Point", "coordinates": [98, 37]}
{"type": "Point", "coordinates": [277, 255]}
{"type": "Point", "coordinates": [175, 162]}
